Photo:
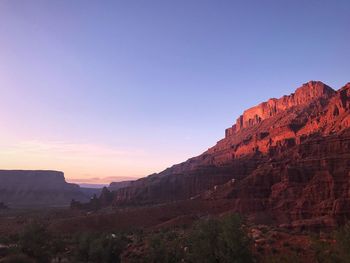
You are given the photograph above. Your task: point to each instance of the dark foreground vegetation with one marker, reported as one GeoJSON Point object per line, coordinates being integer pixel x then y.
{"type": "Point", "coordinates": [208, 240]}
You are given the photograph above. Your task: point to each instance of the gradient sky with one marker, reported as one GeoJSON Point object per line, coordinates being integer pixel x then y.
{"type": "Point", "coordinates": [104, 89]}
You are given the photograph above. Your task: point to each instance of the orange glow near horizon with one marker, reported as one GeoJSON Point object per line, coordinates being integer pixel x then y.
{"type": "Point", "coordinates": [81, 163]}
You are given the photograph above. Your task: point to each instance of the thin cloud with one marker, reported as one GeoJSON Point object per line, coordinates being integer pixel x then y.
{"type": "Point", "coordinates": [102, 180]}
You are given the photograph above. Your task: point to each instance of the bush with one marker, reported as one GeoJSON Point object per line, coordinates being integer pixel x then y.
{"type": "Point", "coordinates": [324, 253]}
{"type": "Point", "coordinates": [164, 248]}
{"type": "Point", "coordinates": [204, 241]}
{"type": "Point", "coordinates": [100, 248]}
{"type": "Point", "coordinates": [210, 241]}
{"type": "Point", "coordinates": [337, 252]}
{"type": "Point", "coordinates": [343, 243]}
{"type": "Point", "coordinates": [34, 241]}
{"type": "Point", "coordinates": [221, 241]}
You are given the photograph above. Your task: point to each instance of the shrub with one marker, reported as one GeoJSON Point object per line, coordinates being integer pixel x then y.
{"type": "Point", "coordinates": [234, 243]}
{"type": "Point", "coordinates": [214, 240]}
{"type": "Point", "coordinates": [164, 248]}
{"type": "Point", "coordinates": [343, 243]}
{"type": "Point", "coordinates": [34, 242]}
{"type": "Point", "coordinates": [325, 251]}
{"type": "Point", "coordinates": [100, 248]}
{"type": "Point", "coordinates": [204, 241]}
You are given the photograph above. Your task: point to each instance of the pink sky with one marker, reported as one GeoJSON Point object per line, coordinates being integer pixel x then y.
{"type": "Point", "coordinates": [82, 163]}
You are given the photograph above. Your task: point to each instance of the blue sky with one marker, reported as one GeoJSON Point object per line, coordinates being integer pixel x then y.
{"type": "Point", "coordinates": [126, 88]}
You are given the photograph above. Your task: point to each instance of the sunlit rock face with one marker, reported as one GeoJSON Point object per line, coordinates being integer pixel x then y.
{"type": "Point", "coordinates": [302, 96]}
{"type": "Point", "coordinates": [37, 188]}
{"type": "Point", "coordinates": [290, 157]}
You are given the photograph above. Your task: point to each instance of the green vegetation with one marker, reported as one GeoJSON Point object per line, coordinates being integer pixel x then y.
{"type": "Point", "coordinates": [222, 240]}
{"type": "Point", "coordinates": [335, 249]}
{"type": "Point", "coordinates": [34, 241]}
{"type": "Point", "coordinates": [342, 238]}
{"type": "Point", "coordinates": [165, 247]}
{"type": "Point", "coordinates": [36, 244]}
{"type": "Point", "coordinates": [210, 240]}
{"type": "Point", "coordinates": [99, 248]}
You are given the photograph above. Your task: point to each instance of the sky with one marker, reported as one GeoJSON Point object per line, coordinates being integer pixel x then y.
{"type": "Point", "coordinates": [112, 90]}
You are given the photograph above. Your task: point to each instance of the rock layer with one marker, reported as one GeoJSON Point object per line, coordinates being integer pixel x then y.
{"type": "Point", "coordinates": [288, 156]}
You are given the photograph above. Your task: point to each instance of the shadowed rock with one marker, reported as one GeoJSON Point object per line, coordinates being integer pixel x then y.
{"type": "Point", "coordinates": [37, 188]}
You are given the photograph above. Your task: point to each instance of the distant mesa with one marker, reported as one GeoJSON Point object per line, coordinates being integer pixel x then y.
{"type": "Point", "coordinates": [26, 188]}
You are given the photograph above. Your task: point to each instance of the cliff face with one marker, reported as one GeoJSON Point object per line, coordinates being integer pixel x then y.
{"type": "Point", "coordinates": [289, 156]}
{"type": "Point", "coordinates": [114, 186]}
{"type": "Point", "coordinates": [302, 96]}
{"type": "Point", "coordinates": [37, 188]}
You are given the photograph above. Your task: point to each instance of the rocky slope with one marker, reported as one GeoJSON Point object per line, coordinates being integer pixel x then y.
{"type": "Point", "coordinates": [114, 186]}
{"type": "Point", "coordinates": [289, 157]}
{"type": "Point", "coordinates": [37, 188]}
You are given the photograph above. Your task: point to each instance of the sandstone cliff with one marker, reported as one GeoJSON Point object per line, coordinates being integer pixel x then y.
{"type": "Point", "coordinates": [37, 188]}
{"type": "Point", "coordinates": [289, 157]}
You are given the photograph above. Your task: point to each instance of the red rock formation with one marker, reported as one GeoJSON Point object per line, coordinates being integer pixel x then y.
{"type": "Point", "coordinates": [302, 96]}
{"type": "Point", "coordinates": [289, 156]}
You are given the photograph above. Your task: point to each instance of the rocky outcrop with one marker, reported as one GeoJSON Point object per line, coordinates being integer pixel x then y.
{"type": "Point", "coordinates": [302, 96]}
{"type": "Point", "coordinates": [288, 156]}
{"type": "Point", "coordinates": [114, 186]}
{"type": "Point", "coordinates": [37, 188]}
